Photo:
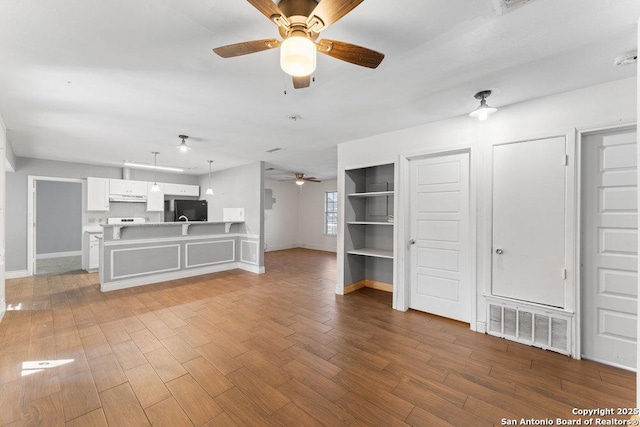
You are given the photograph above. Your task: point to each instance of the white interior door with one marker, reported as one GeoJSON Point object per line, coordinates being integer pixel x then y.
{"type": "Point", "coordinates": [440, 254]}
{"type": "Point", "coordinates": [609, 250]}
{"type": "Point", "coordinates": [529, 198]}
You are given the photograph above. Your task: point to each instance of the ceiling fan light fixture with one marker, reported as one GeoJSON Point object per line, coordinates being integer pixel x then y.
{"type": "Point", "coordinates": [483, 111]}
{"type": "Point", "coordinates": [298, 55]}
{"type": "Point", "coordinates": [299, 181]}
{"type": "Point", "coordinates": [183, 147]}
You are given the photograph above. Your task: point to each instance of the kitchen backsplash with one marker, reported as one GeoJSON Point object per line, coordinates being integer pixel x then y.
{"type": "Point", "coordinates": [124, 210]}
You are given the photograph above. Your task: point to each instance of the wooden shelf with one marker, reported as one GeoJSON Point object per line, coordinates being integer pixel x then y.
{"type": "Point", "coordinates": [371, 194]}
{"type": "Point", "coordinates": [369, 223]}
{"type": "Point", "coordinates": [372, 252]}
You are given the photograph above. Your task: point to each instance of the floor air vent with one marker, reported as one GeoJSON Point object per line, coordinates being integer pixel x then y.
{"type": "Point", "coordinates": [530, 326]}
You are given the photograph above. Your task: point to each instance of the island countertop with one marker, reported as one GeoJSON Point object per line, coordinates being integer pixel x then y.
{"type": "Point", "coordinates": [143, 253]}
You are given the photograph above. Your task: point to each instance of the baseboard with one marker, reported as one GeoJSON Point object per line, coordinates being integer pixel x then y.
{"type": "Point", "coordinates": [180, 274]}
{"type": "Point", "coordinates": [3, 308]}
{"type": "Point", "coordinates": [58, 254]}
{"type": "Point", "coordinates": [280, 247]}
{"type": "Point", "coordinates": [366, 283]}
{"type": "Point", "coordinates": [319, 248]}
{"type": "Point", "coordinates": [480, 327]}
{"type": "Point", "coordinates": [16, 274]}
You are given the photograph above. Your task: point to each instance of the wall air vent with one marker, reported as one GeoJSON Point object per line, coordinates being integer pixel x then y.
{"type": "Point", "coordinates": [530, 325]}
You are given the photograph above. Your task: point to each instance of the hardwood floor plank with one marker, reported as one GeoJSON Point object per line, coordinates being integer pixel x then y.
{"type": "Point", "coordinates": [147, 385]}
{"type": "Point", "coordinates": [165, 365]}
{"type": "Point", "coordinates": [258, 391]}
{"type": "Point", "coordinates": [94, 419]}
{"type": "Point", "coordinates": [278, 348]}
{"type": "Point", "coordinates": [194, 400]}
{"type": "Point", "coordinates": [106, 372]}
{"type": "Point", "coordinates": [122, 408]}
{"type": "Point", "coordinates": [79, 395]}
{"type": "Point", "coordinates": [128, 355]}
{"type": "Point", "coordinates": [45, 411]}
{"type": "Point", "coordinates": [168, 413]}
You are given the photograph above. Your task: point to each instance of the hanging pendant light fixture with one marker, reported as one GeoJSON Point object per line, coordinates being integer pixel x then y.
{"type": "Point", "coordinates": [155, 187]}
{"type": "Point", "coordinates": [183, 145]}
{"type": "Point", "coordinates": [209, 190]}
{"type": "Point", "coordinates": [483, 111]}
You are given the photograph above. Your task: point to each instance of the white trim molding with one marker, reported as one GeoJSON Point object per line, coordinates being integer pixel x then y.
{"type": "Point", "coordinates": [16, 274]}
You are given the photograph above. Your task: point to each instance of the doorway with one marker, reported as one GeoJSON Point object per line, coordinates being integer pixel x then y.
{"type": "Point", "coordinates": [55, 215]}
{"type": "Point", "coordinates": [609, 247]}
{"type": "Point", "coordinates": [440, 245]}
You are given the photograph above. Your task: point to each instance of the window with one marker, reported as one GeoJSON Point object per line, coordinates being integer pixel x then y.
{"type": "Point", "coordinates": [331, 212]}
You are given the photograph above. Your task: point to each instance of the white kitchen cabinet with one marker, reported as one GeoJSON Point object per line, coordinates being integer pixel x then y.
{"type": "Point", "coordinates": [93, 250]}
{"type": "Point", "coordinates": [97, 194]}
{"type": "Point", "coordinates": [126, 187]}
{"type": "Point", "coordinates": [155, 199]}
{"type": "Point", "coordinates": [181, 190]}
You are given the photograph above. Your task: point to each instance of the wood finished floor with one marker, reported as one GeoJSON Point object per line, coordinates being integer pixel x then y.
{"type": "Point", "coordinates": [281, 348]}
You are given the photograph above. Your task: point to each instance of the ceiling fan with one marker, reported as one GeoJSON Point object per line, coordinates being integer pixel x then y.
{"type": "Point", "coordinates": [300, 179]}
{"type": "Point", "coordinates": [300, 23]}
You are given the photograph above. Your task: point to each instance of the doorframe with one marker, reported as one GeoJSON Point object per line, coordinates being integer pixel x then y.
{"type": "Point", "coordinates": [404, 227]}
{"type": "Point", "coordinates": [580, 134]}
{"type": "Point", "coordinates": [31, 224]}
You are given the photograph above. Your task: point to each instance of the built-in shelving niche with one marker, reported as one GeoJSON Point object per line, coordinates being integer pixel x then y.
{"type": "Point", "coordinates": [369, 228]}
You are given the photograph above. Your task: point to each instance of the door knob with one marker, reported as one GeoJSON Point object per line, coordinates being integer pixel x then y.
{"type": "Point", "coordinates": [499, 251]}
{"type": "Point", "coordinates": [412, 241]}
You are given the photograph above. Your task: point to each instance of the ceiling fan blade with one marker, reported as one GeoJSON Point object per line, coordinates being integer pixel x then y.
{"type": "Point", "coordinates": [245, 48]}
{"type": "Point", "coordinates": [311, 179]}
{"type": "Point", "coordinates": [350, 52]}
{"type": "Point", "coordinates": [329, 11]}
{"type": "Point", "coordinates": [301, 82]}
{"type": "Point", "coordinates": [268, 8]}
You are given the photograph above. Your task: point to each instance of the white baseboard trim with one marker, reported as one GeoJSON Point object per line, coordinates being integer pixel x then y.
{"type": "Point", "coordinates": [319, 248]}
{"type": "Point", "coordinates": [3, 308]}
{"type": "Point", "coordinates": [180, 274]}
{"type": "Point", "coordinates": [58, 254]}
{"type": "Point", "coordinates": [16, 274]}
{"type": "Point", "coordinates": [251, 268]}
{"type": "Point", "coordinates": [479, 327]}
{"type": "Point", "coordinates": [281, 247]}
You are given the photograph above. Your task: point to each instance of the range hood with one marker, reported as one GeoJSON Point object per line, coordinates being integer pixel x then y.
{"type": "Point", "coordinates": [127, 198]}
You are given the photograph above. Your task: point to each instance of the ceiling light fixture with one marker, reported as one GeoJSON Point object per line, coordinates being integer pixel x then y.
{"type": "Point", "coordinates": [299, 181]}
{"type": "Point", "coordinates": [147, 166]}
{"type": "Point", "coordinates": [483, 111]}
{"type": "Point", "coordinates": [209, 190]}
{"type": "Point", "coordinates": [155, 187]}
{"type": "Point", "coordinates": [183, 145]}
{"type": "Point", "coordinates": [298, 54]}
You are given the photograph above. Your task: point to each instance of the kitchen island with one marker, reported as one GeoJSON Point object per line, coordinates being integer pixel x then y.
{"type": "Point", "coordinates": [140, 254]}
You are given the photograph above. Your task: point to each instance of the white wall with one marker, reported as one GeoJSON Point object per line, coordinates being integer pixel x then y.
{"type": "Point", "coordinates": [3, 144]}
{"type": "Point", "coordinates": [297, 217]}
{"type": "Point", "coordinates": [281, 222]}
{"type": "Point", "coordinates": [239, 187]}
{"type": "Point", "coordinates": [598, 106]}
{"type": "Point", "coordinates": [311, 234]}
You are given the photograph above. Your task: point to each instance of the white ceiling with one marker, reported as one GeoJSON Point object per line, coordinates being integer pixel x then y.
{"type": "Point", "coordinates": [101, 82]}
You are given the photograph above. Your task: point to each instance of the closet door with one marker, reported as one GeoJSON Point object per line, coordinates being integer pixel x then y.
{"type": "Point", "coordinates": [529, 193]}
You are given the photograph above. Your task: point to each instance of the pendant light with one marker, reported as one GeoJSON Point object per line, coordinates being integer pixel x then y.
{"type": "Point", "coordinates": [155, 187]}
{"type": "Point", "coordinates": [209, 191]}
{"type": "Point", "coordinates": [183, 145]}
{"type": "Point", "coordinates": [483, 111]}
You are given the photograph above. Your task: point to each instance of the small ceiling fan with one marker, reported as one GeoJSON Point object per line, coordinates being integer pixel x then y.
{"type": "Point", "coordinates": [300, 179]}
{"type": "Point", "coordinates": [300, 23]}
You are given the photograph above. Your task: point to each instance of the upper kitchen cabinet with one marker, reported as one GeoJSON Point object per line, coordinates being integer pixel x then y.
{"type": "Point", "coordinates": [181, 190]}
{"type": "Point", "coordinates": [97, 194]}
{"type": "Point", "coordinates": [125, 187]}
{"type": "Point", "coordinates": [155, 199]}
